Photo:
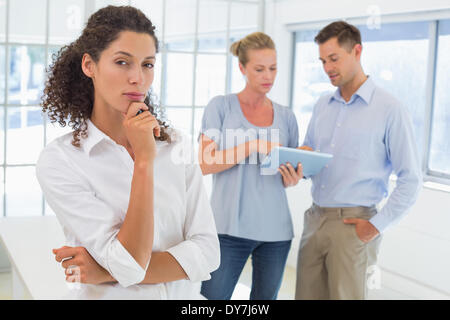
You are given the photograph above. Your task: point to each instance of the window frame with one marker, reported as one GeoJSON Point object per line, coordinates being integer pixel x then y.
{"type": "Point", "coordinates": [5, 105]}
{"type": "Point", "coordinates": [259, 5]}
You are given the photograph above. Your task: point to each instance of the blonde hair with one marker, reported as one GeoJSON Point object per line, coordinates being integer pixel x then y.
{"type": "Point", "coordinates": [255, 40]}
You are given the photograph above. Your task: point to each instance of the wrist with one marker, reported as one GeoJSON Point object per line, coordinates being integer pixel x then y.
{"type": "Point", "coordinates": [375, 231]}
{"type": "Point", "coordinates": [144, 163]}
{"type": "Point", "coordinates": [107, 277]}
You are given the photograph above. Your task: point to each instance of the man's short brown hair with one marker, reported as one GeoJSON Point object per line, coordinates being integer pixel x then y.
{"type": "Point", "coordinates": [347, 35]}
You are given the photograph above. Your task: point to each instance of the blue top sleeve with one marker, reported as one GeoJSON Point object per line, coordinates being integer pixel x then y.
{"type": "Point", "coordinates": [212, 120]}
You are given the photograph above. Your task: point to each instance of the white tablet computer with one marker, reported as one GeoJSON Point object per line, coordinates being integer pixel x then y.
{"type": "Point", "coordinates": [311, 161]}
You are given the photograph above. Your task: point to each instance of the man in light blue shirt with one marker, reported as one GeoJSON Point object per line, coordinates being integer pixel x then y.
{"type": "Point", "coordinates": [370, 135]}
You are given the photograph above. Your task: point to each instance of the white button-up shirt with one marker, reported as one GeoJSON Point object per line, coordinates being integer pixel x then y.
{"type": "Point", "coordinates": [89, 188]}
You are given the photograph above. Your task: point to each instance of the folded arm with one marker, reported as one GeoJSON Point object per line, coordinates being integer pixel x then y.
{"type": "Point", "coordinates": [80, 266]}
{"type": "Point", "coordinates": [63, 188]}
{"type": "Point", "coordinates": [194, 258]}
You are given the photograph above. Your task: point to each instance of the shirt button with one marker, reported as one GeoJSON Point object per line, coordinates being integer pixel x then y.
{"type": "Point", "coordinates": [323, 187]}
{"type": "Point", "coordinates": [332, 145]}
{"type": "Point", "coordinates": [339, 125]}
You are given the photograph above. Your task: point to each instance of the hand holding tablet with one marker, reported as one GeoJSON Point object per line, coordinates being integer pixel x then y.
{"type": "Point", "coordinates": [311, 161]}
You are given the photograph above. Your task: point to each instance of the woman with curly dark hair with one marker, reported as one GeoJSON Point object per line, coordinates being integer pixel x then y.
{"type": "Point", "coordinates": [138, 221]}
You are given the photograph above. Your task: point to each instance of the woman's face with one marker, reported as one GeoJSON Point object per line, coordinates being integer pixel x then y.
{"type": "Point", "coordinates": [124, 71]}
{"type": "Point", "coordinates": [261, 69]}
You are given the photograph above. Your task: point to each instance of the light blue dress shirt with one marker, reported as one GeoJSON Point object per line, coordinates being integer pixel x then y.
{"type": "Point", "coordinates": [370, 136]}
{"type": "Point", "coordinates": [247, 202]}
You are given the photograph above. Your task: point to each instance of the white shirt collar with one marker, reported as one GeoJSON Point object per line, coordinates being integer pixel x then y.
{"type": "Point", "coordinates": [95, 136]}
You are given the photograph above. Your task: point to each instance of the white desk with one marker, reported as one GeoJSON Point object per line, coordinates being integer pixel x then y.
{"type": "Point", "coordinates": [28, 242]}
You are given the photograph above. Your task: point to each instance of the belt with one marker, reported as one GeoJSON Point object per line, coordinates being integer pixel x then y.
{"type": "Point", "coordinates": [340, 212]}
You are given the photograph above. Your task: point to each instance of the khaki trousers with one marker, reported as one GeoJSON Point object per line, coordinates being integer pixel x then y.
{"type": "Point", "coordinates": [332, 260]}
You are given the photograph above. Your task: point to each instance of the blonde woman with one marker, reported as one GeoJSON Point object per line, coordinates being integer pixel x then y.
{"type": "Point", "coordinates": [250, 206]}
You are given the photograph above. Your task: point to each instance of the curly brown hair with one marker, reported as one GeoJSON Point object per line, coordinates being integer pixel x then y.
{"type": "Point", "coordinates": [69, 94]}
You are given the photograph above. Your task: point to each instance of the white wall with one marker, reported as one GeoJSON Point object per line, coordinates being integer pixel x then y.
{"type": "Point", "coordinates": [415, 254]}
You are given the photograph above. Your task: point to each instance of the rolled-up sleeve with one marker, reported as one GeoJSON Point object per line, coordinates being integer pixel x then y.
{"type": "Point", "coordinates": [199, 253]}
{"type": "Point", "coordinates": [122, 266]}
{"type": "Point", "coordinates": [90, 220]}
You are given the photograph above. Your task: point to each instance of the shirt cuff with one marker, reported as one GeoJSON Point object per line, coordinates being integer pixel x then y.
{"type": "Point", "coordinates": [380, 222]}
{"type": "Point", "coordinates": [122, 266]}
{"type": "Point", "coordinates": [191, 259]}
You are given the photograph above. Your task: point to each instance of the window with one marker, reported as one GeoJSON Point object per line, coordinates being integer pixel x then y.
{"type": "Point", "coordinates": [67, 21]}
{"type": "Point", "coordinates": [26, 74]}
{"type": "Point", "coordinates": [439, 157]}
{"type": "Point", "coordinates": [22, 64]}
{"type": "Point", "coordinates": [25, 137]}
{"type": "Point", "coordinates": [397, 57]}
{"type": "Point", "coordinates": [310, 81]}
{"type": "Point", "coordinates": [2, 73]}
{"type": "Point", "coordinates": [20, 32]}
{"type": "Point", "coordinates": [211, 71]}
{"type": "Point", "coordinates": [193, 66]}
{"type": "Point", "coordinates": [196, 63]}
{"type": "Point", "coordinates": [178, 88]}
{"type": "Point", "coordinates": [2, 18]}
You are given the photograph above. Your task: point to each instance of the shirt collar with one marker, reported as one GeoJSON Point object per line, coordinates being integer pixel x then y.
{"type": "Point", "coordinates": [365, 92]}
{"type": "Point", "coordinates": [95, 136]}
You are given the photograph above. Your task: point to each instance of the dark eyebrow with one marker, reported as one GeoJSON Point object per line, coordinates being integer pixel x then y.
{"type": "Point", "coordinates": [329, 56]}
{"type": "Point", "coordinates": [130, 55]}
